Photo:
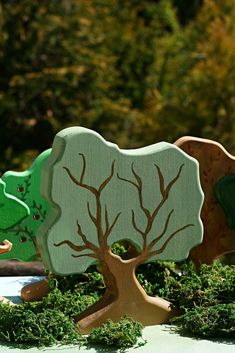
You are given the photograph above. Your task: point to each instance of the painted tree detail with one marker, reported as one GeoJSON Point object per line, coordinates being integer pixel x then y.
{"type": "Point", "coordinates": [149, 197]}
{"type": "Point", "coordinates": [26, 187]}
{"type": "Point", "coordinates": [12, 210]}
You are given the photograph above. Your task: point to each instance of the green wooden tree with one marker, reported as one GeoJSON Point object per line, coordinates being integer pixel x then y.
{"type": "Point", "coordinates": [99, 194]}
{"type": "Point", "coordinates": [26, 187]}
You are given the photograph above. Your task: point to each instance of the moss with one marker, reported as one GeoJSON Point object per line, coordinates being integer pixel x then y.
{"type": "Point", "coordinates": [212, 285]}
{"type": "Point", "coordinates": [212, 321]}
{"type": "Point", "coordinates": [123, 334]}
{"type": "Point", "coordinates": [21, 324]}
{"type": "Point", "coordinates": [206, 300]}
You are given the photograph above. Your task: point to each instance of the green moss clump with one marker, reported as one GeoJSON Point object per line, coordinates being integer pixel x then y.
{"type": "Point", "coordinates": [212, 285]}
{"type": "Point", "coordinates": [122, 334]}
{"type": "Point", "coordinates": [47, 322]}
{"type": "Point", "coordinates": [206, 300]}
{"type": "Point", "coordinates": [87, 283]}
{"type": "Point", "coordinates": [22, 325]}
{"type": "Point", "coordinates": [70, 303]}
{"type": "Point", "coordinates": [212, 321]}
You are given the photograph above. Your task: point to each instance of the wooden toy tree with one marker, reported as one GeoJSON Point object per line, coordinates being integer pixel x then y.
{"type": "Point", "coordinates": [26, 187]}
{"type": "Point", "coordinates": [12, 211]}
{"type": "Point", "coordinates": [215, 164]}
{"type": "Point", "coordinates": [99, 194]}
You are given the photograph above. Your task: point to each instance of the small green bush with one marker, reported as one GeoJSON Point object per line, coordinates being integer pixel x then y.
{"type": "Point", "coordinates": [122, 334]}
{"type": "Point", "coordinates": [22, 325]}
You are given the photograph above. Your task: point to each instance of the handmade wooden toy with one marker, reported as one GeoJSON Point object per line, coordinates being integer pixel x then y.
{"type": "Point", "coordinates": [150, 197]}
{"type": "Point", "coordinates": [215, 163]}
{"type": "Point", "coordinates": [26, 187]}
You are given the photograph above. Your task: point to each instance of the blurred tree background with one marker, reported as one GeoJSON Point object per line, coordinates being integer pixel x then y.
{"type": "Point", "coordinates": [136, 71]}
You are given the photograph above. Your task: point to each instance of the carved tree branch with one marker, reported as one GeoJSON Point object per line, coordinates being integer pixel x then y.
{"type": "Point", "coordinates": [110, 228]}
{"type": "Point", "coordinates": [94, 220]}
{"type": "Point", "coordinates": [151, 216]}
{"type": "Point", "coordinates": [83, 167]}
{"type": "Point", "coordinates": [72, 245]}
{"type": "Point", "coordinates": [22, 230]}
{"type": "Point", "coordinates": [89, 255]}
{"type": "Point", "coordinates": [156, 240]}
{"type": "Point", "coordinates": [161, 181]}
{"type": "Point", "coordinates": [165, 191]}
{"type": "Point", "coordinates": [77, 182]}
{"type": "Point", "coordinates": [139, 186]}
{"type": "Point", "coordinates": [13, 230]}
{"type": "Point", "coordinates": [135, 224]}
{"type": "Point", "coordinates": [102, 235]}
{"type": "Point", "coordinates": [140, 191]}
{"type": "Point", "coordinates": [106, 181]}
{"type": "Point", "coordinates": [162, 248]}
{"type": "Point", "coordinates": [88, 244]}
{"type": "Point", "coordinates": [39, 209]}
{"type": "Point", "coordinates": [102, 238]}
{"type": "Point", "coordinates": [173, 181]}
{"type": "Point", "coordinates": [106, 218]}
{"type": "Point", "coordinates": [80, 181]}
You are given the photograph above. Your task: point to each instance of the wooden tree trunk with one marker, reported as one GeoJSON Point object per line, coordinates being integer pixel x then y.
{"type": "Point", "coordinates": [124, 296]}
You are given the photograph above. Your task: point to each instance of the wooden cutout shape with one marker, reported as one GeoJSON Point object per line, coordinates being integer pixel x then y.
{"type": "Point", "coordinates": [5, 246]}
{"type": "Point", "coordinates": [215, 162]}
{"type": "Point", "coordinates": [26, 187]}
{"type": "Point", "coordinates": [99, 194]}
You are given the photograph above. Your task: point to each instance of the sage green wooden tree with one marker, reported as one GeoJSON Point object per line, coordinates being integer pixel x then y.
{"type": "Point", "coordinates": [26, 187]}
{"type": "Point", "coordinates": [150, 197]}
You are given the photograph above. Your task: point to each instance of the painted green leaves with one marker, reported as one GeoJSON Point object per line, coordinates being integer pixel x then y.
{"type": "Point", "coordinates": [12, 210]}
{"type": "Point", "coordinates": [26, 187]}
{"type": "Point", "coordinates": [100, 194]}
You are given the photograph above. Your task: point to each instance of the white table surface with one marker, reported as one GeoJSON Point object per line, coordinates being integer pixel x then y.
{"type": "Point", "coordinates": [160, 339]}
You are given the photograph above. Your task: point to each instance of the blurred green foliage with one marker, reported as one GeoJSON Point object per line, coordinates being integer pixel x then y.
{"type": "Point", "coordinates": [135, 71]}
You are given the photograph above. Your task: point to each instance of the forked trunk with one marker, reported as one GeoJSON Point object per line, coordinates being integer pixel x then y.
{"type": "Point", "coordinates": [124, 296]}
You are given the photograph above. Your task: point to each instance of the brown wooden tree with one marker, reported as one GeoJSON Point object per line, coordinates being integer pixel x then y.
{"type": "Point", "coordinates": [215, 163]}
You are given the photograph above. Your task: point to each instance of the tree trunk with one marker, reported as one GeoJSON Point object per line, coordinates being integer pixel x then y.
{"type": "Point", "coordinates": [124, 296]}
